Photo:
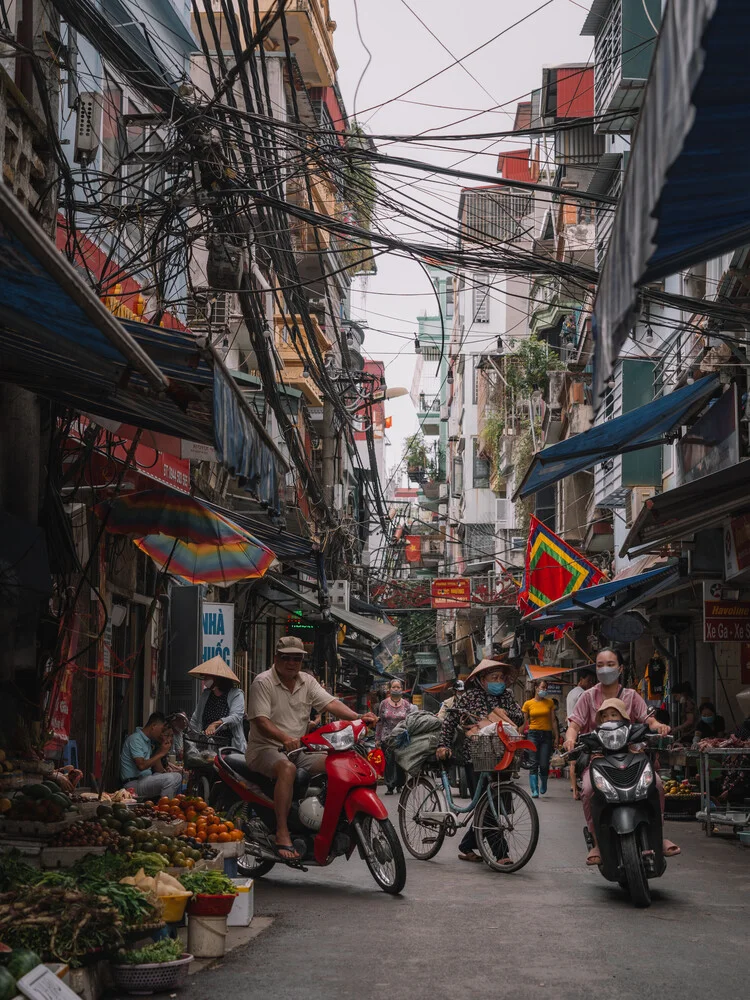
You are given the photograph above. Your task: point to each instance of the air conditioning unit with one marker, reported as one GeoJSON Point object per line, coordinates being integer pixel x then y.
{"type": "Point", "coordinates": [518, 543]}
{"type": "Point", "coordinates": [636, 501]}
{"type": "Point", "coordinates": [443, 491]}
{"type": "Point", "coordinates": [88, 127]}
{"type": "Point", "coordinates": [339, 591]}
{"type": "Point", "coordinates": [444, 412]}
{"type": "Point", "coordinates": [503, 512]}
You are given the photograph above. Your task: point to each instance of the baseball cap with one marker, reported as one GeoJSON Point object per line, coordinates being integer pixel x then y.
{"type": "Point", "coordinates": [290, 645]}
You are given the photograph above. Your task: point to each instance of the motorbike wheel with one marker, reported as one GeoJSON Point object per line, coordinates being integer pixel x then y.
{"type": "Point", "coordinates": [248, 865]}
{"type": "Point", "coordinates": [419, 796]}
{"type": "Point", "coordinates": [514, 835]}
{"type": "Point", "coordinates": [383, 853]}
{"type": "Point", "coordinates": [200, 786]}
{"type": "Point", "coordinates": [632, 862]}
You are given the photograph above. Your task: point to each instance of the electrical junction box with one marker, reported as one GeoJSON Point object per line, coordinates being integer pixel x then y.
{"type": "Point", "coordinates": [88, 127]}
{"type": "Point", "coordinates": [339, 591]}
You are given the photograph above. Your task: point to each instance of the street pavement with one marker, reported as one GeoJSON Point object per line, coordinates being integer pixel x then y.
{"type": "Point", "coordinates": [459, 931]}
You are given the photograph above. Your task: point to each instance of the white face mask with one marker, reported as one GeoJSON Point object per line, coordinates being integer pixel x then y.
{"type": "Point", "coordinates": [607, 675]}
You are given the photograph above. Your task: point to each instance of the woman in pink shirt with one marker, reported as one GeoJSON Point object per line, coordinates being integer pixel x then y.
{"type": "Point", "coordinates": [393, 710]}
{"type": "Point", "coordinates": [583, 720]}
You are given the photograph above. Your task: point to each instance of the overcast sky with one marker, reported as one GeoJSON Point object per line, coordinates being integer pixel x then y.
{"type": "Point", "coordinates": [403, 55]}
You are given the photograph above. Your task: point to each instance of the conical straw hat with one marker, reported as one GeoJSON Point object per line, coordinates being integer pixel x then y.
{"type": "Point", "coordinates": [485, 665]}
{"type": "Point", "coordinates": [215, 667]}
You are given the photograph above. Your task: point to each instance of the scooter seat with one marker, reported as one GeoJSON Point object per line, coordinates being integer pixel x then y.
{"type": "Point", "coordinates": [237, 764]}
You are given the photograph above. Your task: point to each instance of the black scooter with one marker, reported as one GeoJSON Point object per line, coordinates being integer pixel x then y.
{"type": "Point", "coordinates": [625, 805]}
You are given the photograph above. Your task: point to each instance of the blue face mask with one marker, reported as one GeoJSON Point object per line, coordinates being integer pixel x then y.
{"type": "Point", "coordinates": [496, 687]}
{"type": "Point", "coordinates": [708, 719]}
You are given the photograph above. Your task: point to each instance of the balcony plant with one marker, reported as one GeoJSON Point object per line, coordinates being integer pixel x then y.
{"type": "Point", "coordinates": [529, 367]}
{"type": "Point", "coordinates": [416, 458]}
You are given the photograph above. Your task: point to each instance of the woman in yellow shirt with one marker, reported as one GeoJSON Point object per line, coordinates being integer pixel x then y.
{"type": "Point", "coordinates": [541, 725]}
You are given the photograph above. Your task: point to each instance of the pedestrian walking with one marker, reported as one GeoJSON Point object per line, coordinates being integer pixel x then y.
{"type": "Point", "coordinates": [393, 709]}
{"type": "Point", "coordinates": [541, 724]}
{"type": "Point", "coordinates": [586, 680]}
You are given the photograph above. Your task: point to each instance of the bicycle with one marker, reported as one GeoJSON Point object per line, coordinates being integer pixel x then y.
{"type": "Point", "coordinates": [506, 823]}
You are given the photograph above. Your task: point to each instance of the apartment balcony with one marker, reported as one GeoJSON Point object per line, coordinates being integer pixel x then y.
{"type": "Point", "coordinates": [294, 364]}
{"type": "Point", "coordinates": [310, 31]}
{"type": "Point", "coordinates": [428, 414]}
{"type": "Point", "coordinates": [623, 50]}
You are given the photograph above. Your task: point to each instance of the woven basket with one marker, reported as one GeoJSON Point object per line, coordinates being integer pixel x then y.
{"type": "Point", "coordinates": [156, 977]}
{"type": "Point", "coordinates": [485, 752]}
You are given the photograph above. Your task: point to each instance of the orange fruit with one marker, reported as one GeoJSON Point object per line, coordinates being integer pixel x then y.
{"type": "Point", "coordinates": [213, 838]}
{"type": "Point", "coordinates": [237, 835]}
{"type": "Point", "coordinates": [174, 802]}
{"type": "Point", "coordinates": [200, 837]}
{"type": "Point", "coordinates": [191, 815]}
{"type": "Point", "coordinates": [181, 798]}
{"type": "Point", "coordinates": [164, 801]}
{"type": "Point", "coordinates": [228, 825]}
{"type": "Point", "coordinates": [224, 838]}
{"type": "Point", "coordinates": [191, 830]}
{"type": "Point", "coordinates": [221, 828]}
{"type": "Point", "coordinates": [201, 823]}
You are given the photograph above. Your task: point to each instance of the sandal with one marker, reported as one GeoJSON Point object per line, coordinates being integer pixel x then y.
{"type": "Point", "coordinates": [290, 849]}
{"type": "Point", "coordinates": [594, 857]}
{"type": "Point", "coordinates": [469, 856]}
{"type": "Point", "coordinates": [670, 850]}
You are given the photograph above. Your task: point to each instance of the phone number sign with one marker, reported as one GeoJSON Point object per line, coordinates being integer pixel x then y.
{"type": "Point", "coordinates": [726, 621]}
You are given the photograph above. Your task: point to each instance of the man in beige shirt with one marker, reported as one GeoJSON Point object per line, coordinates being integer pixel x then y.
{"type": "Point", "coordinates": [280, 702]}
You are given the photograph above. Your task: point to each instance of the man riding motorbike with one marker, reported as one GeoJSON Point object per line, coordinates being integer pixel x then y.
{"type": "Point", "coordinates": [280, 702]}
{"type": "Point", "coordinates": [584, 720]}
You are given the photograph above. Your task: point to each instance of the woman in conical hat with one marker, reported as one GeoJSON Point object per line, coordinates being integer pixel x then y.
{"type": "Point", "coordinates": [221, 702]}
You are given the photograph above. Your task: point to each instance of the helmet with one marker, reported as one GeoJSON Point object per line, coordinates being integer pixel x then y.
{"type": "Point", "coordinates": [311, 812]}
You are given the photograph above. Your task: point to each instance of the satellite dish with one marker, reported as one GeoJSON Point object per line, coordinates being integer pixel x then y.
{"type": "Point", "coordinates": [626, 628]}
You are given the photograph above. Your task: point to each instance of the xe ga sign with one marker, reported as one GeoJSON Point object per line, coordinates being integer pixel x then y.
{"type": "Point", "coordinates": [724, 621]}
{"type": "Point", "coordinates": [451, 593]}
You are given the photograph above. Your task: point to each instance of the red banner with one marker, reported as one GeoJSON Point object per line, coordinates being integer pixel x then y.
{"type": "Point", "coordinates": [451, 593]}
{"type": "Point", "coordinates": [413, 548]}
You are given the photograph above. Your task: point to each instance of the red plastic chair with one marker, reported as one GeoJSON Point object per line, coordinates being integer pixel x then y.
{"type": "Point", "coordinates": [512, 747]}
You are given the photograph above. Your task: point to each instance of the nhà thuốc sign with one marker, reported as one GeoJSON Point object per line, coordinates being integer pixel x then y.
{"type": "Point", "coordinates": [218, 632]}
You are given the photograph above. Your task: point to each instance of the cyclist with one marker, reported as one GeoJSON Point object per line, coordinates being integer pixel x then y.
{"type": "Point", "coordinates": [487, 693]}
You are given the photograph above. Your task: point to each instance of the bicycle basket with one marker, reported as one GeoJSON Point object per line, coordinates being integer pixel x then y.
{"type": "Point", "coordinates": [200, 752]}
{"type": "Point", "coordinates": [485, 752]}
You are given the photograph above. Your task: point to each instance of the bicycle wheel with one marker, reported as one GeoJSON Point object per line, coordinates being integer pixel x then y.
{"type": "Point", "coordinates": [422, 839]}
{"type": "Point", "coordinates": [508, 842]}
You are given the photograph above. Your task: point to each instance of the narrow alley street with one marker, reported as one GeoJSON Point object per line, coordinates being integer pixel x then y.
{"type": "Point", "coordinates": [556, 928]}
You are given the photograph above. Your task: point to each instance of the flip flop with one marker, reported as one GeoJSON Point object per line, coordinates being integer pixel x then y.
{"type": "Point", "coordinates": [278, 848]}
{"type": "Point", "coordinates": [672, 851]}
{"type": "Point", "coordinates": [469, 857]}
{"type": "Point", "coordinates": [594, 859]}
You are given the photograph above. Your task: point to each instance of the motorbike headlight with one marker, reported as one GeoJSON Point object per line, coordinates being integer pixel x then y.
{"type": "Point", "coordinates": [341, 740]}
{"type": "Point", "coordinates": [613, 739]}
{"type": "Point", "coordinates": [607, 789]}
{"type": "Point", "coordinates": [645, 781]}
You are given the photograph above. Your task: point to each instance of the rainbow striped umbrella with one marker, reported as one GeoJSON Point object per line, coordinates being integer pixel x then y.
{"type": "Point", "coordinates": [220, 565]}
{"type": "Point", "coordinates": [164, 512]}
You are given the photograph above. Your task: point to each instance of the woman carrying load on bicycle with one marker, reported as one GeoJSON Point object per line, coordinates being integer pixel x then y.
{"type": "Point", "coordinates": [487, 690]}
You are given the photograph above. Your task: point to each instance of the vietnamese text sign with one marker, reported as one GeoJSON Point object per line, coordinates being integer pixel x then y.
{"type": "Point", "coordinates": [451, 593]}
{"type": "Point", "coordinates": [218, 632]}
{"type": "Point", "coordinates": [724, 621]}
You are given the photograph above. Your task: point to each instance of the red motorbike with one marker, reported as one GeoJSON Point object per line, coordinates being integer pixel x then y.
{"type": "Point", "coordinates": [332, 814]}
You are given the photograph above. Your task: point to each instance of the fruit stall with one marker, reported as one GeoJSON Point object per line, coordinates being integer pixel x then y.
{"type": "Point", "coordinates": [100, 889]}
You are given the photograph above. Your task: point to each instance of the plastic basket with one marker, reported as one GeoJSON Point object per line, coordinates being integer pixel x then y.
{"type": "Point", "coordinates": [142, 980]}
{"type": "Point", "coordinates": [485, 752]}
{"type": "Point", "coordinates": [211, 904]}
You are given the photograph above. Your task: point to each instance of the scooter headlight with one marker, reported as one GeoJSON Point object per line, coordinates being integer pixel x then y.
{"type": "Point", "coordinates": [341, 740]}
{"type": "Point", "coordinates": [607, 789]}
{"type": "Point", "coordinates": [615, 738]}
{"type": "Point", "coordinates": [645, 781]}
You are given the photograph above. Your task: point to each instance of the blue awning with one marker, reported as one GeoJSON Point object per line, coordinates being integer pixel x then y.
{"type": "Point", "coordinates": [640, 428]}
{"type": "Point", "coordinates": [685, 196]}
{"type": "Point", "coordinates": [58, 340]}
{"type": "Point", "coordinates": [606, 600]}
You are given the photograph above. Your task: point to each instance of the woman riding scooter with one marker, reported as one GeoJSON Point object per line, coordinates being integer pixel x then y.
{"type": "Point", "coordinates": [584, 720]}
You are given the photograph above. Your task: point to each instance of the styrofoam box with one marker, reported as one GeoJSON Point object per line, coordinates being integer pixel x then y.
{"type": "Point", "coordinates": [244, 905]}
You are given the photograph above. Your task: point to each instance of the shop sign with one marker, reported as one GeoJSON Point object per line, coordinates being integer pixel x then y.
{"type": "Point", "coordinates": [451, 593]}
{"type": "Point", "coordinates": [736, 547]}
{"type": "Point", "coordinates": [218, 632]}
{"type": "Point", "coordinates": [712, 443]}
{"type": "Point", "coordinates": [724, 621]}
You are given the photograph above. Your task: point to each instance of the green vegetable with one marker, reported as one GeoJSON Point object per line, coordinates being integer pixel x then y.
{"type": "Point", "coordinates": [210, 883]}
{"type": "Point", "coordinates": [133, 905]}
{"type": "Point", "coordinates": [168, 950]}
{"type": "Point", "coordinates": [103, 867]}
{"type": "Point", "coordinates": [15, 872]}
{"type": "Point", "coordinates": [8, 988]}
{"type": "Point", "coordinates": [151, 863]}
{"type": "Point", "coordinates": [21, 962]}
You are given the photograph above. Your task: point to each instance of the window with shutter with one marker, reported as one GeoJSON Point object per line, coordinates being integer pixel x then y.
{"type": "Point", "coordinates": [481, 467]}
{"type": "Point", "coordinates": [481, 298]}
